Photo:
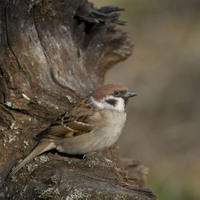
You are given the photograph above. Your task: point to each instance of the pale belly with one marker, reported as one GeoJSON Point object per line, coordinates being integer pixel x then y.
{"type": "Point", "coordinates": [97, 140]}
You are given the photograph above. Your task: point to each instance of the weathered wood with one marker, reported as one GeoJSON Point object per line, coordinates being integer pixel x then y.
{"type": "Point", "coordinates": [51, 54]}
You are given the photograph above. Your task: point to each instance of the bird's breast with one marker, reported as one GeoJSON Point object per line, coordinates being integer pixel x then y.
{"type": "Point", "coordinates": [107, 129]}
{"type": "Point", "coordinates": [112, 125]}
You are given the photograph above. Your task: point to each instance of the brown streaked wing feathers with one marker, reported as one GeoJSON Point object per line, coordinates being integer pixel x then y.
{"type": "Point", "coordinates": [70, 126]}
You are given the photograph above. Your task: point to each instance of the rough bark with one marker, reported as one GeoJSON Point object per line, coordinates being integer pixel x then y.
{"type": "Point", "coordinates": [51, 54]}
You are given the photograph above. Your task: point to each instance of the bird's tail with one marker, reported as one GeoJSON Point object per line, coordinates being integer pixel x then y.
{"type": "Point", "coordinates": [39, 149]}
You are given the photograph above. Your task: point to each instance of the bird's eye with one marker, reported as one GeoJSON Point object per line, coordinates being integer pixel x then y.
{"type": "Point", "coordinates": [116, 93]}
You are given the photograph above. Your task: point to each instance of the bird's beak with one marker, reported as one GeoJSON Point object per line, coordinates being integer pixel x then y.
{"type": "Point", "coordinates": [129, 94]}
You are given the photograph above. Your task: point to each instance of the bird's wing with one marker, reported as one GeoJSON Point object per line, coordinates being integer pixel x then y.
{"type": "Point", "coordinates": [76, 121]}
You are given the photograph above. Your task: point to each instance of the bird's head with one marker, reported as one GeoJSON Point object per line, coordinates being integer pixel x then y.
{"type": "Point", "coordinates": [112, 96]}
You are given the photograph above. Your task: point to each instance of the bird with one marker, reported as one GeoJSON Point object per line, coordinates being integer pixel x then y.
{"type": "Point", "coordinates": [90, 125]}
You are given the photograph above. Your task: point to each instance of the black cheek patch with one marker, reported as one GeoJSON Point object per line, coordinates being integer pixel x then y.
{"type": "Point", "coordinates": [111, 102]}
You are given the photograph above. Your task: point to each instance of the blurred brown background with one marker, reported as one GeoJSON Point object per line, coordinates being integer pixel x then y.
{"type": "Point", "coordinates": [163, 126]}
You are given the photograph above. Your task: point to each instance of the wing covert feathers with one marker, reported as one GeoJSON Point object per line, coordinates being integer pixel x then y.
{"type": "Point", "coordinates": [73, 123]}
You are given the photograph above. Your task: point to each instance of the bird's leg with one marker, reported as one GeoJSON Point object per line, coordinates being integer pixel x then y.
{"type": "Point", "coordinates": [91, 154]}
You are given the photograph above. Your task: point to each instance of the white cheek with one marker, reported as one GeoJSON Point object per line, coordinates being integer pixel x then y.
{"type": "Point", "coordinates": [119, 106]}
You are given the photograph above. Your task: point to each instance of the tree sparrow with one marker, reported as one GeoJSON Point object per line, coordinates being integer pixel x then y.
{"type": "Point", "coordinates": [92, 124]}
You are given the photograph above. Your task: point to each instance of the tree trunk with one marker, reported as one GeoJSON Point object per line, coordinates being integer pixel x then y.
{"type": "Point", "coordinates": [51, 54]}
